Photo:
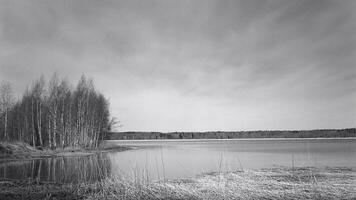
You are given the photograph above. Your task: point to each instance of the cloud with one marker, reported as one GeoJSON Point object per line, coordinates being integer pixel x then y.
{"type": "Point", "coordinates": [257, 65]}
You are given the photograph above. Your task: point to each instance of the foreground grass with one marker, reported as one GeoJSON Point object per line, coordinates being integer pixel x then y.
{"type": "Point", "coordinates": [276, 183]}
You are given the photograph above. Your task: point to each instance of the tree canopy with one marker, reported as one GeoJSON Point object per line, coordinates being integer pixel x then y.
{"type": "Point", "coordinates": [55, 114]}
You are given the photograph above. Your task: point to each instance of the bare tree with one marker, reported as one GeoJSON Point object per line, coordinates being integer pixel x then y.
{"type": "Point", "coordinates": [55, 115]}
{"type": "Point", "coordinates": [6, 102]}
{"type": "Point", "coordinates": [37, 105]}
{"type": "Point", "coordinates": [53, 98]}
{"type": "Point", "coordinates": [64, 95]}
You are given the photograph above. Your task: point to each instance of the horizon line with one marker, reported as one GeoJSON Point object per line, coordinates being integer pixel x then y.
{"type": "Point", "coordinates": [320, 129]}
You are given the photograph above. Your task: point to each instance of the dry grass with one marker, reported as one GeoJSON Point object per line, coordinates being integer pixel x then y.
{"type": "Point", "coordinates": [278, 183]}
{"type": "Point", "coordinates": [13, 190]}
{"type": "Point", "coordinates": [13, 151]}
{"type": "Point", "coordinates": [15, 147]}
{"type": "Point", "coordinates": [16, 150]}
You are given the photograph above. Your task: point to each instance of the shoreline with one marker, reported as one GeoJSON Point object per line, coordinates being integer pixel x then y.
{"type": "Point", "coordinates": [13, 152]}
{"type": "Point", "coordinates": [244, 139]}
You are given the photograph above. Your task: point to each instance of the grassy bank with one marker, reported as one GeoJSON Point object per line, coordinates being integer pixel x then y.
{"type": "Point", "coordinates": [12, 151]}
{"type": "Point", "coordinates": [276, 183]}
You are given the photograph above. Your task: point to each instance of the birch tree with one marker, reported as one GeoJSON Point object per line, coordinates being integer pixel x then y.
{"type": "Point", "coordinates": [55, 115]}
{"type": "Point", "coordinates": [38, 90]}
{"type": "Point", "coordinates": [6, 102]}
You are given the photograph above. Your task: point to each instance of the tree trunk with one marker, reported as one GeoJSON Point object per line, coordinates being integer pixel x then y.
{"type": "Point", "coordinates": [39, 121]}
{"type": "Point", "coordinates": [63, 134]}
{"type": "Point", "coordinates": [49, 134]}
{"type": "Point", "coordinates": [5, 133]}
{"type": "Point", "coordinates": [55, 128]}
{"type": "Point", "coordinates": [33, 125]}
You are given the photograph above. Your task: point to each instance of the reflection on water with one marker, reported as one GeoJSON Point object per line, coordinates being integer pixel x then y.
{"type": "Point", "coordinates": [59, 170]}
{"type": "Point", "coordinates": [170, 159]}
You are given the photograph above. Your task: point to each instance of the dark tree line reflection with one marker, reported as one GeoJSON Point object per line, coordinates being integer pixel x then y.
{"type": "Point", "coordinates": [82, 169]}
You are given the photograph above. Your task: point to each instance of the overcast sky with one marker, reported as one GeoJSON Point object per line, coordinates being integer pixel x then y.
{"type": "Point", "coordinates": [199, 65]}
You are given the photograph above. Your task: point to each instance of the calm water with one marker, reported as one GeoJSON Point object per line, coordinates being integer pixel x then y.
{"type": "Point", "coordinates": [60, 170]}
{"type": "Point", "coordinates": [170, 159]}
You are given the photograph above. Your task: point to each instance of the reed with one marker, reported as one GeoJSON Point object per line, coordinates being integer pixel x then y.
{"type": "Point", "coordinates": [274, 183]}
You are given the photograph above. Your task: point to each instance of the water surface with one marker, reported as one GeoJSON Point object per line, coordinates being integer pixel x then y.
{"type": "Point", "coordinates": [171, 159]}
{"type": "Point", "coordinates": [187, 158]}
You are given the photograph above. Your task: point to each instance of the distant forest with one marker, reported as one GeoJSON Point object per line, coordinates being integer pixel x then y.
{"type": "Point", "coordinates": [232, 134]}
{"type": "Point", "coordinates": [54, 114]}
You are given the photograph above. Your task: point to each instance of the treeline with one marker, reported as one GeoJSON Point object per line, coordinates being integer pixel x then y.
{"type": "Point", "coordinates": [54, 114]}
{"type": "Point", "coordinates": [232, 134]}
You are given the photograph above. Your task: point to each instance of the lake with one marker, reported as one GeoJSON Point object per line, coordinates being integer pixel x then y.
{"type": "Point", "coordinates": [172, 159]}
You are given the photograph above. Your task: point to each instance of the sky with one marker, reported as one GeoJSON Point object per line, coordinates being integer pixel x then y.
{"type": "Point", "coordinates": [193, 65]}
